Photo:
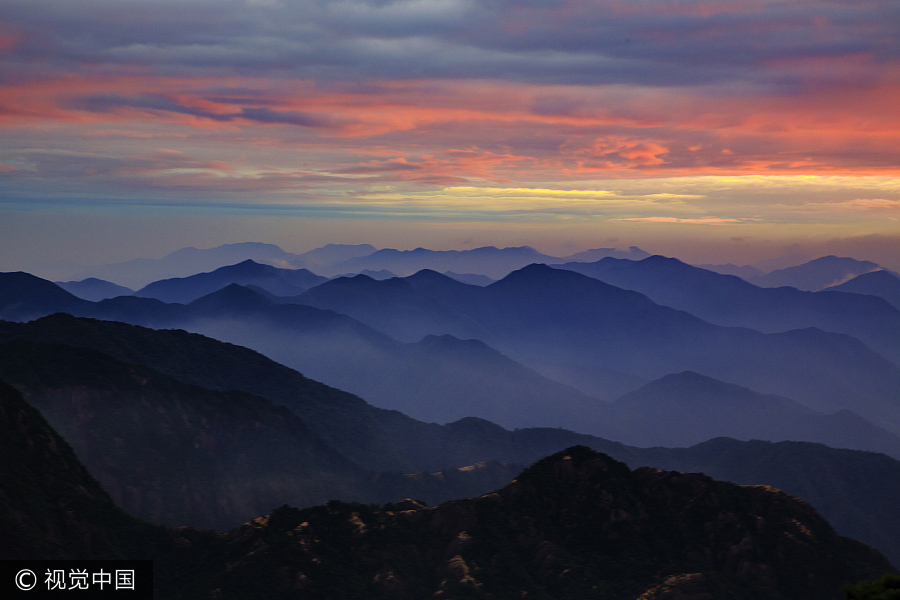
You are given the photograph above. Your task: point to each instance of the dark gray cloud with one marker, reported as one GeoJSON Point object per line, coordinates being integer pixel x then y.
{"type": "Point", "coordinates": [577, 41]}
{"type": "Point", "coordinates": [109, 102]}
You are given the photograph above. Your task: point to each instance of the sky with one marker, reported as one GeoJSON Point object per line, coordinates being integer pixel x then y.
{"type": "Point", "coordinates": [712, 130]}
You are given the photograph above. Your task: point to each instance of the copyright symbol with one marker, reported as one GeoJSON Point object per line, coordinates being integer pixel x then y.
{"type": "Point", "coordinates": [21, 579]}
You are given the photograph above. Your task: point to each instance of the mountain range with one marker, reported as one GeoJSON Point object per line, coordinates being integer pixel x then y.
{"type": "Point", "coordinates": [731, 301]}
{"type": "Point", "coordinates": [575, 523]}
{"type": "Point", "coordinates": [562, 322]}
{"type": "Point", "coordinates": [551, 321]}
{"type": "Point", "coordinates": [135, 401]}
{"type": "Point", "coordinates": [333, 260]}
{"type": "Point", "coordinates": [444, 386]}
{"type": "Point", "coordinates": [818, 274]}
{"type": "Point", "coordinates": [275, 281]}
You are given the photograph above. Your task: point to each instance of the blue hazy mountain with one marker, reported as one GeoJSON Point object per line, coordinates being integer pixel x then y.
{"type": "Point", "coordinates": [139, 272]}
{"type": "Point", "coordinates": [544, 317]}
{"type": "Point", "coordinates": [408, 308]}
{"type": "Point", "coordinates": [538, 317]}
{"type": "Point", "coordinates": [331, 254]}
{"type": "Point", "coordinates": [438, 379]}
{"type": "Point", "coordinates": [470, 278]}
{"type": "Point", "coordinates": [685, 409]}
{"type": "Point", "coordinates": [729, 300]}
{"type": "Point", "coordinates": [817, 274]}
{"type": "Point", "coordinates": [882, 283]}
{"type": "Point", "coordinates": [276, 281]}
{"type": "Point", "coordinates": [331, 260]}
{"type": "Point", "coordinates": [746, 272]}
{"type": "Point", "coordinates": [94, 289]}
{"type": "Point", "coordinates": [630, 253]}
{"type": "Point", "coordinates": [24, 296]}
{"type": "Point", "coordinates": [490, 261]}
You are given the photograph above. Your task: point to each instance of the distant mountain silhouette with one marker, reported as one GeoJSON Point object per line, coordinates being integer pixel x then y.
{"type": "Point", "coordinates": [94, 289]}
{"type": "Point", "coordinates": [489, 260]}
{"type": "Point", "coordinates": [818, 274]}
{"type": "Point", "coordinates": [470, 278]}
{"type": "Point", "coordinates": [330, 254]}
{"type": "Point", "coordinates": [731, 301]}
{"type": "Point", "coordinates": [137, 273]}
{"type": "Point", "coordinates": [540, 314]}
{"type": "Point", "coordinates": [379, 275]}
{"type": "Point", "coordinates": [444, 379]}
{"type": "Point", "coordinates": [883, 284]}
{"type": "Point", "coordinates": [333, 260]}
{"type": "Point", "coordinates": [280, 282]}
{"type": "Point", "coordinates": [405, 308]}
{"type": "Point", "coordinates": [630, 253]}
{"type": "Point", "coordinates": [745, 272]}
{"type": "Point", "coordinates": [686, 408]}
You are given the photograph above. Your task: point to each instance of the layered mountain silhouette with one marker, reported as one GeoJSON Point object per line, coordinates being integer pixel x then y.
{"type": "Point", "coordinates": [728, 300]}
{"type": "Point", "coordinates": [561, 322]}
{"type": "Point", "coordinates": [330, 260]}
{"type": "Point", "coordinates": [279, 282]}
{"type": "Point", "coordinates": [817, 274]}
{"type": "Point", "coordinates": [539, 317]}
{"type": "Point", "coordinates": [94, 289]}
{"type": "Point", "coordinates": [550, 320]}
{"type": "Point", "coordinates": [185, 262]}
{"type": "Point", "coordinates": [24, 296]}
{"type": "Point", "coordinates": [883, 284]}
{"type": "Point", "coordinates": [685, 409]}
{"type": "Point", "coordinates": [140, 366]}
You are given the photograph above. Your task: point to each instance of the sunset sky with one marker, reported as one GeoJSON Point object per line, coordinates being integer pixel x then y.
{"type": "Point", "coordinates": [712, 130]}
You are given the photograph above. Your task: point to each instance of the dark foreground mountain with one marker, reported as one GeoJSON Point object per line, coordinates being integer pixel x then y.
{"type": "Point", "coordinates": [575, 524]}
{"type": "Point", "coordinates": [831, 480]}
{"type": "Point", "coordinates": [50, 507]}
{"type": "Point", "coordinates": [174, 453]}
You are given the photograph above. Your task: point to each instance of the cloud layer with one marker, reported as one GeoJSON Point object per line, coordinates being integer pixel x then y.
{"type": "Point", "coordinates": [406, 107]}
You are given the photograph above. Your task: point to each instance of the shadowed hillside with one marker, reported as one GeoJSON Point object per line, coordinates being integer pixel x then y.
{"type": "Point", "coordinates": [576, 524]}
